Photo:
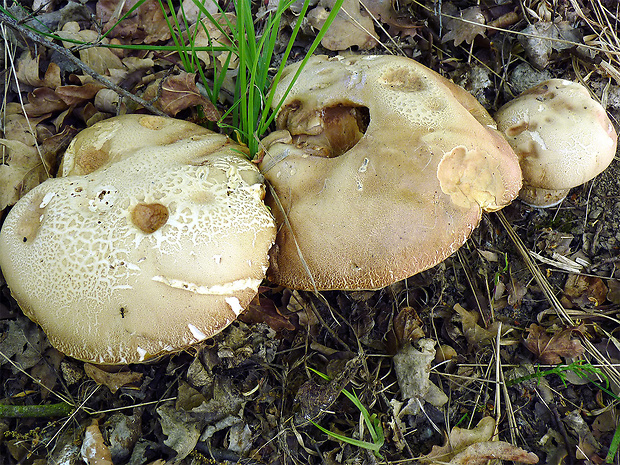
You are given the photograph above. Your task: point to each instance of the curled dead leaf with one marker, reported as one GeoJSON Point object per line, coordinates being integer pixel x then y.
{"type": "Point", "coordinates": [474, 447]}
{"type": "Point", "coordinates": [145, 24]}
{"type": "Point", "coordinates": [551, 348]}
{"type": "Point", "coordinates": [113, 380]}
{"type": "Point", "coordinates": [28, 72]}
{"type": "Point", "coordinates": [585, 291]}
{"type": "Point", "coordinates": [465, 26]}
{"type": "Point", "coordinates": [99, 59]}
{"type": "Point", "coordinates": [176, 93]}
{"type": "Point", "coordinates": [351, 27]}
{"type": "Point", "coordinates": [94, 451]}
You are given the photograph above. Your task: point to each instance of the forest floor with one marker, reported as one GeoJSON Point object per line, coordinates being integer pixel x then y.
{"type": "Point", "coordinates": [506, 349]}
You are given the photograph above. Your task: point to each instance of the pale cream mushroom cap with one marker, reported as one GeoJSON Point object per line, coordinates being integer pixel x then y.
{"type": "Point", "coordinates": [384, 203]}
{"type": "Point", "coordinates": [111, 139]}
{"type": "Point", "coordinates": [562, 136]}
{"type": "Point", "coordinates": [149, 254]}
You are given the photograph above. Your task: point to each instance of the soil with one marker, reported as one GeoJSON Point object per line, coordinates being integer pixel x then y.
{"type": "Point", "coordinates": [247, 394]}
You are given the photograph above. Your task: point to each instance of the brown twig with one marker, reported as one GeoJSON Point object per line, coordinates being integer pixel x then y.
{"type": "Point", "coordinates": [42, 40]}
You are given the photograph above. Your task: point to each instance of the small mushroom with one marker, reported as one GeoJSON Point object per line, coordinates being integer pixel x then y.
{"type": "Point", "coordinates": [562, 136]}
{"type": "Point", "coordinates": [388, 169]}
{"type": "Point", "coordinates": [158, 242]}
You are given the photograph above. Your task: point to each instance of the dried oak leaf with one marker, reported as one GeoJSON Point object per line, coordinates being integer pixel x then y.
{"type": "Point", "coordinates": [114, 381]}
{"type": "Point", "coordinates": [400, 21]}
{"type": "Point", "coordinates": [25, 165]}
{"type": "Point", "coordinates": [100, 59]}
{"type": "Point", "coordinates": [465, 26]}
{"type": "Point", "coordinates": [177, 93]}
{"type": "Point", "coordinates": [474, 447]}
{"type": "Point", "coordinates": [207, 34]}
{"type": "Point", "coordinates": [475, 334]}
{"type": "Point", "coordinates": [541, 38]}
{"type": "Point", "coordinates": [146, 24]}
{"type": "Point", "coordinates": [28, 72]}
{"type": "Point", "coordinates": [551, 349]}
{"type": "Point", "coordinates": [585, 290]}
{"type": "Point", "coordinates": [94, 451]}
{"type": "Point", "coordinates": [351, 27]}
{"type": "Point", "coordinates": [22, 171]}
{"type": "Point", "coordinates": [43, 101]}
{"type": "Point", "coordinates": [263, 310]}
{"type": "Point", "coordinates": [74, 95]}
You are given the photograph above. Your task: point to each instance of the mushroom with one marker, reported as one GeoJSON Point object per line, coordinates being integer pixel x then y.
{"type": "Point", "coordinates": [155, 237]}
{"type": "Point", "coordinates": [562, 136]}
{"type": "Point", "coordinates": [381, 169]}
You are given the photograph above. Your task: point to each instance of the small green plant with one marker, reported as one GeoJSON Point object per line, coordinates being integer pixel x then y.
{"type": "Point", "coordinates": [585, 371]}
{"type": "Point", "coordinates": [373, 423]}
{"type": "Point", "coordinates": [251, 111]}
{"type": "Point", "coordinates": [581, 368]}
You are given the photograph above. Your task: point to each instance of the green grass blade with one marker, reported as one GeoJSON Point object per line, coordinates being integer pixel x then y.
{"type": "Point", "coordinates": [312, 48]}
{"type": "Point", "coordinates": [348, 440]}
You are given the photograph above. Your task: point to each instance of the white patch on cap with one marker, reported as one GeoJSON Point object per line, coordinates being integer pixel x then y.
{"type": "Point", "coordinates": [234, 304]}
{"type": "Point", "coordinates": [199, 335]}
{"type": "Point", "coordinates": [47, 199]}
{"type": "Point", "coordinates": [142, 353]}
{"type": "Point", "coordinates": [536, 137]}
{"type": "Point", "coordinates": [216, 289]}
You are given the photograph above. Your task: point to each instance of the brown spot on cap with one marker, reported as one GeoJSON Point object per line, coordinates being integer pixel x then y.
{"type": "Point", "coordinates": [149, 217]}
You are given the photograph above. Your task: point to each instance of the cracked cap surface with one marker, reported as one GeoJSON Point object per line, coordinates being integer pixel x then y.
{"type": "Point", "coordinates": [159, 244]}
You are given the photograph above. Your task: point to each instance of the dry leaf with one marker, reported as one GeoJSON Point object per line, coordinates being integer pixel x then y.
{"type": "Point", "coordinates": [407, 326]}
{"type": "Point", "coordinates": [43, 101]}
{"type": "Point", "coordinates": [350, 28]}
{"type": "Point", "coordinates": [181, 428]}
{"type": "Point", "coordinates": [465, 29]}
{"type": "Point", "coordinates": [475, 334]}
{"type": "Point", "coordinates": [413, 368]}
{"type": "Point", "coordinates": [585, 290]}
{"type": "Point", "coordinates": [400, 22]}
{"type": "Point", "coordinates": [539, 40]}
{"type": "Point", "coordinates": [190, 10]}
{"type": "Point", "coordinates": [74, 95]}
{"type": "Point", "coordinates": [114, 381]}
{"type": "Point", "coordinates": [145, 25]}
{"type": "Point", "coordinates": [22, 171]}
{"type": "Point", "coordinates": [551, 349]}
{"type": "Point", "coordinates": [178, 93]}
{"type": "Point", "coordinates": [28, 72]}
{"type": "Point", "coordinates": [207, 34]}
{"type": "Point", "coordinates": [263, 310]}
{"type": "Point", "coordinates": [474, 447]}
{"type": "Point", "coordinates": [99, 59]}
{"type": "Point", "coordinates": [94, 451]}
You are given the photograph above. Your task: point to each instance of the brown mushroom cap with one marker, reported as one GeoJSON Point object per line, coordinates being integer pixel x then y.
{"type": "Point", "coordinates": [562, 136]}
{"type": "Point", "coordinates": [399, 192]}
{"type": "Point", "coordinates": [149, 253]}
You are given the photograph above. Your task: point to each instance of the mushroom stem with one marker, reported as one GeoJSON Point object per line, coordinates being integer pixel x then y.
{"type": "Point", "coordinates": [542, 198]}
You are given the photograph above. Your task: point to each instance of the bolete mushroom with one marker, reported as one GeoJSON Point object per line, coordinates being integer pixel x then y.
{"type": "Point", "coordinates": [562, 136]}
{"type": "Point", "coordinates": [381, 170]}
{"type": "Point", "coordinates": [155, 237]}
